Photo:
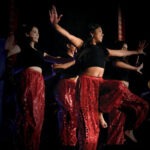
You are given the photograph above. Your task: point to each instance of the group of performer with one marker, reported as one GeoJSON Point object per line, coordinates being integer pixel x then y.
{"type": "Point", "coordinates": [82, 93]}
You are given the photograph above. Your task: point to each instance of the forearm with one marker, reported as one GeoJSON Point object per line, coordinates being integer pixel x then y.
{"type": "Point", "coordinates": [53, 59]}
{"type": "Point", "coordinates": [49, 58]}
{"type": "Point", "coordinates": [64, 66]}
{"type": "Point", "coordinates": [121, 53]}
{"type": "Point", "coordinates": [129, 53]}
{"type": "Point", "coordinates": [61, 30]}
{"type": "Point", "coordinates": [73, 39]}
{"type": "Point", "coordinates": [123, 65]}
{"type": "Point", "coordinates": [69, 64]}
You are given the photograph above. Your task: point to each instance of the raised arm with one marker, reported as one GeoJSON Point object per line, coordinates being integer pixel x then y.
{"type": "Point", "coordinates": [54, 19]}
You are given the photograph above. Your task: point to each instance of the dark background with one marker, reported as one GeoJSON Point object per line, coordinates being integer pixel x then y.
{"type": "Point", "coordinates": [78, 13]}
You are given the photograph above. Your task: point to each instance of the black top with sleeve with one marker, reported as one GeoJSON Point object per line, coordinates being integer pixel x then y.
{"type": "Point", "coordinates": [30, 57]}
{"type": "Point", "coordinates": [93, 56]}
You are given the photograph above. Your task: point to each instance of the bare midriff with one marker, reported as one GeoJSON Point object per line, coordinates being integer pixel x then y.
{"type": "Point", "coordinates": [94, 71]}
{"type": "Point", "coordinates": [35, 68]}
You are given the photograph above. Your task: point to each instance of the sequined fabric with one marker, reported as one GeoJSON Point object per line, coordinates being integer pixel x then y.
{"type": "Point", "coordinates": [111, 92]}
{"type": "Point", "coordinates": [32, 109]}
{"type": "Point", "coordinates": [116, 123]}
{"type": "Point", "coordinates": [87, 93]}
{"type": "Point", "coordinates": [110, 100]}
{"type": "Point", "coordinates": [115, 98]}
{"type": "Point", "coordinates": [67, 114]}
{"type": "Point", "coordinates": [137, 104]}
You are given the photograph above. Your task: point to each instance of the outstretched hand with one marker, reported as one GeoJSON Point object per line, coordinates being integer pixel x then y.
{"type": "Point", "coordinates": [53, 16]}
{"type": "Point", "coordinates": [142, 45]}
{"type": "Point", "coordinates": [139, 68]}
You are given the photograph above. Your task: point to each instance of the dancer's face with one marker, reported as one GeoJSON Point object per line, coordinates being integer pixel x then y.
{"type": "Point", "coordinates": [34, 34]}
{"type": "Point", "coordinates": [98, 34]}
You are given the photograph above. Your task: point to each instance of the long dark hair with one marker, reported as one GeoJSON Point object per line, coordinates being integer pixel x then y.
{"type": "Point", "coordinates": [22, 40]}
{"type": "Point", "coordinates": [91, 28]}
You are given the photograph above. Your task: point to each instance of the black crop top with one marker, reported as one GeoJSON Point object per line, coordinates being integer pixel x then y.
{"type": "Point", "coordinates": [93, 55]}
{"type": "Point", "coordinates": [31, 57]}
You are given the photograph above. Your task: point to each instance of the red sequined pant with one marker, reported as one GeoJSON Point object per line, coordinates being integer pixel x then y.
{"type": "Point", "coordinates": [67, 113]}
{"type": "Point", "coordinates": [116, 99]}
{"type": "Point", "coordinates": [32, 109]}
{"type": "Point", "coordinates": [88, 120]}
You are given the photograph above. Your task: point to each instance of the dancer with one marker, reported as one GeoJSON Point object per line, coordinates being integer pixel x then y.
{"type": "Point", "coordinates": [65, 96]}
{"type": "Point", "coordinates": [122, 120]}
{"type": "Point", "coordinates": [32, 90]}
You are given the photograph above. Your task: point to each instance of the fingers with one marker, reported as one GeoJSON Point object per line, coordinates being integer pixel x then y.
{"type": "Point", "coordinates": [140, 72]}
{"type": "Point", "coordinates": [142, 65]}
{"type": "Point", "coordinates": [54, 8]}
{"type": "Point", "coordinates": [54, 18]}
{"type": "Point", "coordinates": [140, 68]}
{"type": "Point", "coordinates": [143, 44]}
{"type": "Point", "coordinates": [60, 16]}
